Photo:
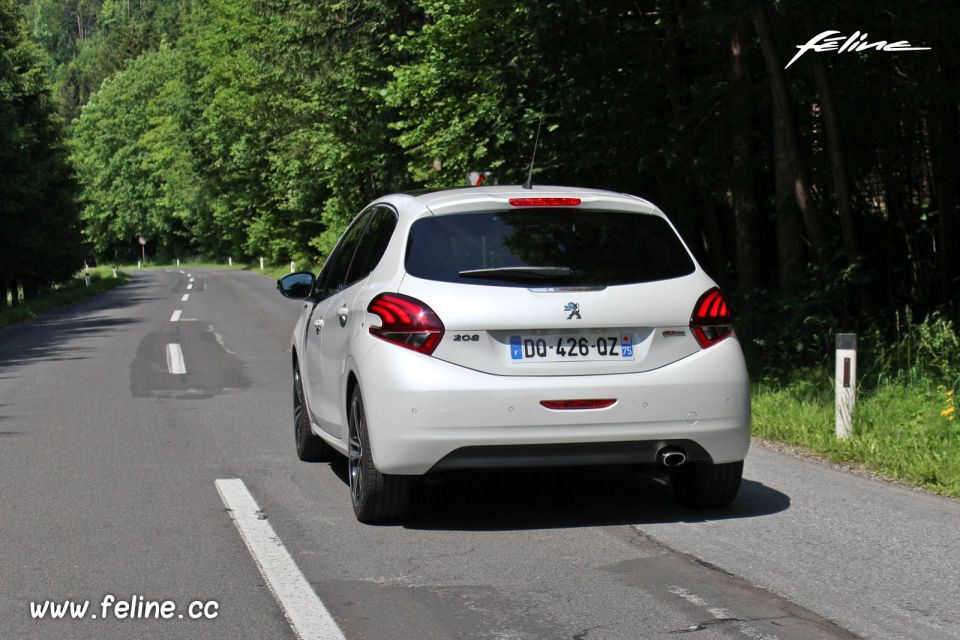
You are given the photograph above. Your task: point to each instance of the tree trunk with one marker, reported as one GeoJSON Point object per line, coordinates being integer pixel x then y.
{"type": "Point", "coordinates": [741, 178]}
{"type": "Point", "coordinates": [790, 254]}
{"type": "Point", "coordinates": [789, 138]}
{"type": "Point", "coordinates": [946, 171]}
{"type": "Point", "coordinates": [838, 167]}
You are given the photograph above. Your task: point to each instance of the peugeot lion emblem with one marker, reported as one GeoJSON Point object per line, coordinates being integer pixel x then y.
{"type": "Point", "coordinates": [574, 310]}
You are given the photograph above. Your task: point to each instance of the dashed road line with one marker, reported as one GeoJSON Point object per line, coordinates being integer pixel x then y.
{"type": "Point", "coordinates": [722, 615]}
{"type": "Point", "coordinates": [305, 612]}
{"type": "Point", "coordinates": [175, 363]}
{"type": "Point", "coordinates": [189, 286]}
{"type": "Point", "coordinates": [185, 297]}
{"type": "Point", "coordinates": [176, 315]}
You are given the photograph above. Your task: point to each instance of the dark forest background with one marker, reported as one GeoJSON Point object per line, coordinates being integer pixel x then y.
{"type": "Point", "coordinates": [822, 197]}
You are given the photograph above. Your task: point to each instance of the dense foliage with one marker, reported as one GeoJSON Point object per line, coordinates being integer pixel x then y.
{"type": "Point", "coordinates": [40, 240]}
{"type": "Point", "coordinates": [821, 196]}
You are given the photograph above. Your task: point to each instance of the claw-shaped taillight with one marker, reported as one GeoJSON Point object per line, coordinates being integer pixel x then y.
{"type": "Point", "coordinates": [406, 322]}
{"type": "Point", "coordinates": [710, 322]}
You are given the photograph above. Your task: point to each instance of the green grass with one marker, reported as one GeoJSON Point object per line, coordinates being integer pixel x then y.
{"type": "Point", "coordinates": [101, 279]}
{"type": "Point", "coordinates": [270, 271]}
{"type": "Point", "coordinates": [199, 264]}
{"type": "Point", "coordinates": [898, 428]}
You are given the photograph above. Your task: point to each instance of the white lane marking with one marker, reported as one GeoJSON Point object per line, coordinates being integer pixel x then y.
{"type": "Point", "coordinates": [720, 613]}
{"type": "Point", "coordinates": [304, 611]}
{"type": "Point", "coordinates": [191, 279]}
{"type": "Point", "coordinates": [175, 363]}
{"type": "Point", "coordinates": [189, 286]}
{"type": "Point", "coordinates": [176, 315]}
{"type": "Point", "coordinates": [220, 340]}
{"type": "Point", "coordinates": [185, 297]}
{"type": "Point", "coordinates": [181, 270]}
{"type": "Point", "coordinates": [189, 275]}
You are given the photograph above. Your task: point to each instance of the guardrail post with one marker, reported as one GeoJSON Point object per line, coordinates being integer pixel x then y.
{"type": "Point", "coordinates": [846, 372]}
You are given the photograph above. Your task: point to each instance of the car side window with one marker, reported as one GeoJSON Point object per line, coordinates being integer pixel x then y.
{"type": "Point", "coordinates": [373, 244]}
{"type": "Point", "coordinates": [317, 293]}
{"type": "Point", "coordinates": [339, 263]}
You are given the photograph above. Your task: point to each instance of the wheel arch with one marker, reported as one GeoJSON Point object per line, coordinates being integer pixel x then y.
{"type": "Point", "coordinates": [352, 382]}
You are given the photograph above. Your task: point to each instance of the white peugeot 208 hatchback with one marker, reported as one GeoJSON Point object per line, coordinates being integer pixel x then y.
{"type": "Point", "coordinates": [494, 327]}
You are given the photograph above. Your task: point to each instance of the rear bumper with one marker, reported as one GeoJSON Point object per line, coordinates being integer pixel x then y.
{"type": "Point", "coordinates": [524, 456]}
{"type": "Point", "coordinates": [425, 414]}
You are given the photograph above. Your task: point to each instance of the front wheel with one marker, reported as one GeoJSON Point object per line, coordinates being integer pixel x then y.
{"type": "Point", "coordinates": [376, 497]}
{"type": "Point", "coordinates": [709, 486]}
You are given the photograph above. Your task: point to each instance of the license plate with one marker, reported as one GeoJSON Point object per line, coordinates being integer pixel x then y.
{"type": "Point", "coordinates": [609, 345]}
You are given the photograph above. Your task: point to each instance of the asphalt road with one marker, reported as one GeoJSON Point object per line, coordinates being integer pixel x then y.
{"type": "Point", "coordinates": [108, 465]}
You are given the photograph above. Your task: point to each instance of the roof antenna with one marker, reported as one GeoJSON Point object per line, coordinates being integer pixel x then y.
{"type": "Point", "coordinates": [529, 183]}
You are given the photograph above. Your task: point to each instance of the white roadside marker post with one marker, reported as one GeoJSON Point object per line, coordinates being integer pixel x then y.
{"type": "Point", "coordinates": [114, 272]}
{"type": "Point", "coordinates": [138, 264]}
{"type": "Point", "coordinates": [230, 261]}
{"type": "Point", "coordinates": [293, 266]}
{"type": "Point", "coordinates": [178, 262]}
{"type": "Point", "coordinates": [846, 373]}
{"type": "Point", "coordinates": [261, 264]}
{"type": "Point", "coordinates": [86, 274]}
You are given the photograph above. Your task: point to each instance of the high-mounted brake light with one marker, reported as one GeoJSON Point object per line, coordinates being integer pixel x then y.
{"type": "Point", "coordinates": [711, 322]}
{"type": "Point", "coordinates": [579, 404]}
{"type": "Point", "coordinates": [406, 322]}
{"type": "Point", "coordinates": [544, 202]}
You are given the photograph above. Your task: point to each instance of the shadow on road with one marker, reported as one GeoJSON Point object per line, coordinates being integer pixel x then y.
{"type": "Point", "coordinates": [559, 498]}
{"type": "Point", "coordinates": [49, 336]}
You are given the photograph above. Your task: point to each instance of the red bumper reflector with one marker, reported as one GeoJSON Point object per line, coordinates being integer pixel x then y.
{"type": "Point", "coordinates": [578, 404]}
{"type": "Point", "coordinates": [544, 202]}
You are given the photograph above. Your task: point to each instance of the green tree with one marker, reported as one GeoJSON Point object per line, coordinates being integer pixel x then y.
{"type": "Point", "coordinates": [135, 161]}
{"type": "Point", "coordinates": [40, 242]}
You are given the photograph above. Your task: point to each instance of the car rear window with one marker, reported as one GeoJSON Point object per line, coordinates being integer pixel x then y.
{"type": "Point", "coordinates": [557, 247]}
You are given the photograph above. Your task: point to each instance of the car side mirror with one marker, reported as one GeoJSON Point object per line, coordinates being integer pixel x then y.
{"type": "Point", "coordinates": [296, 285]}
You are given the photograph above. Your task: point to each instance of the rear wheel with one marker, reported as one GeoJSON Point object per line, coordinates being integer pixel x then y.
{"type": "Point", "coordinates": [376, 497]}
{"type": "Point", "coordinates": [310, 448]}
{"type": "Point", "coordinates": [706, 485]}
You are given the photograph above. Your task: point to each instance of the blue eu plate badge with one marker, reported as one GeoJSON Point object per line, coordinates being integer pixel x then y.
{"type": "Point", "coordinates": [516, 351]}
{"type": "Point", "coordinates": [626, 346]}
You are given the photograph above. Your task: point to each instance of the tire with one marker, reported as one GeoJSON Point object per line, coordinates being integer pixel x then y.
{"type": "Point", "coordinates": [310, 448]}
{"type": "Point", "coordinates": [710, 486]}
{"type": "Point", "coordinates": [376, 497]}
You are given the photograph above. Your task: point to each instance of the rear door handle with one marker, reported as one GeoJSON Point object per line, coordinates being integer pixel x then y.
{"type": "Point", "coordinates": [318, 323]}
{"type": "Point", "coordinates": [342, 314]}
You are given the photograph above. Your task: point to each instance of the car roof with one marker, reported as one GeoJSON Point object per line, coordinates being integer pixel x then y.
{"type": "Point", "coordinates": [497, 197]}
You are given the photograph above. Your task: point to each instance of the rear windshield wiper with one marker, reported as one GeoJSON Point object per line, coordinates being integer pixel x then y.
{"type": "Point", "coordinates": [524, 273]}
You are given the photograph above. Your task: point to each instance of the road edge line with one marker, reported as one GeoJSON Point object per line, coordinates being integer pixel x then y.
{"type": "Point", "coordinates": [305, 612]}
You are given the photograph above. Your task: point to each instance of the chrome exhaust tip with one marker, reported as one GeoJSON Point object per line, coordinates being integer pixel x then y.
{"type": "Point", "coordinates": [671, 457]}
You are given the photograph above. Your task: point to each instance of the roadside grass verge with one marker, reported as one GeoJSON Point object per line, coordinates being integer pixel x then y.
{"type": "Point", "coordinates": [199, 264]}
{"type": "Point", "coordinates": [899, 429]}
{"type": "Point", "coordinates": [101, 279]}
{"type": "Point", "coordinates": [270, 271]}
